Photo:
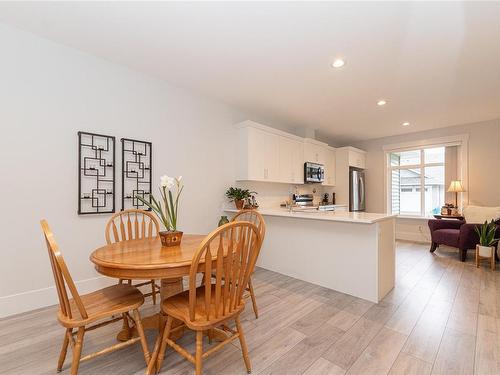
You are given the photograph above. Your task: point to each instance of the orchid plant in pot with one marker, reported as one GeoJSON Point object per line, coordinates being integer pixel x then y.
{"type": "Point", "coordinates": [166, 208]}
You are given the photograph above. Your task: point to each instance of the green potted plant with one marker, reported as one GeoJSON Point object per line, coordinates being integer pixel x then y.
{"type": "Point", "coordinates": [166, 208]}
{"type": "Point", "coordinates": [487, 240]}
{"type": "Point", "coordinates": [238, 196]}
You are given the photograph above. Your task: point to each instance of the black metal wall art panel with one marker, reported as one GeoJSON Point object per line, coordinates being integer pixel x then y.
{"type": "Point", "coordinates": [136, 173]}
{"type": "Point", "coordinates": [96, 178]}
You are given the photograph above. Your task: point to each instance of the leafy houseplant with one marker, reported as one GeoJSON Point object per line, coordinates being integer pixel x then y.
{"type": "Point", "coordinates": [166, 209]}
{"type": "Point", "coordinates": [238, 196]}
{"type": "Point", "coordinates": [487, 240]}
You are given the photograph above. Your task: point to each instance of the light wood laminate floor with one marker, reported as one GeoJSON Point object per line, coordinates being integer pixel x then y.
{"type": "Point", "coordinates": [443, 317]}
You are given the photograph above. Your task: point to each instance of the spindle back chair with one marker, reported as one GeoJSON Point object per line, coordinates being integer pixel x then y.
{"type": "Point", "coordinates": [229, 253]}
{"type": "Point", "coordinates": [130, 225]}
{"type": "Point", "coordinates": [80, 311]}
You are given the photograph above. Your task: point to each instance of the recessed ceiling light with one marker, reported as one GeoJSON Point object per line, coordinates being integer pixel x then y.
{"type": "Point", "coordinates": [381, 102]}
{"type": "Point", "coordinates": [338, 63]}
{"type": "Point", "coordinates": [406, 123]}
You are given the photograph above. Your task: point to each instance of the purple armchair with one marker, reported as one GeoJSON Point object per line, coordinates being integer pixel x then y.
{"type": "Point", "coordinates": [455, 233]}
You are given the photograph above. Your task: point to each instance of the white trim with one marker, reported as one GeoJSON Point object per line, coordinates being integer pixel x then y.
{"type": "Point", "coordinates": [35, 299]}
{"type": "Point", "coordinates": [315, 142]}
{"type": "Point", "coordinates": [350, 148]}
{"type": "Point", "coordinates": [452, 140]}
{"type": "Point", "coordinates": [256, 125]}
{"type": "Point", "coordinates": [411, 236]}
{"type": "Point", "coordinates": [410, 217]}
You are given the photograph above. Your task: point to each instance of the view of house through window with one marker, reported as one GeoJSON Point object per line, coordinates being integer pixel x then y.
{"type": "Point", "coordinates": [417, 181]}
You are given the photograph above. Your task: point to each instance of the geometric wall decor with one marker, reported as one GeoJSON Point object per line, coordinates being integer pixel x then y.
{"type": "Point", "coordinates": [136, 173]}
{"type": "Point", "coordinates": [96, 177]}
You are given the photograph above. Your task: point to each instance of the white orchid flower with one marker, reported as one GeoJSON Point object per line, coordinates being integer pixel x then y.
{"type": "Point", "coordinates": [170, 183]}
{"type": "Point", "coordinates": [166, 181]}
{"type": "Point", "coordinates": [163, 180]}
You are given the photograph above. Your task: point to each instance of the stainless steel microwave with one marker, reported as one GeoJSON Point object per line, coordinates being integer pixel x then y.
{"type": "Point", "coordinates": [313, 173]}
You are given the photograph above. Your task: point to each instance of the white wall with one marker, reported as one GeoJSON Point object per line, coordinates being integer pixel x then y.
{"type": "Point", "coordinates": [483, 161]}
{"type": "Point", "coordinates": [48, 92]}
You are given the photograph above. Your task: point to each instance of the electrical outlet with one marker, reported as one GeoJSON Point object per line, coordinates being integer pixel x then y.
{"type": "Point", "coordinates": [422, 232]}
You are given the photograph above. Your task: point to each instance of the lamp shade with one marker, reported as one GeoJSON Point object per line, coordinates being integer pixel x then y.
{"type": "Point", "coordinates": [456, 187]}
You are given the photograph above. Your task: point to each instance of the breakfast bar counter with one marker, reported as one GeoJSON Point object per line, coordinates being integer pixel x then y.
{"type": "Point", "coordinates": [351, 252]}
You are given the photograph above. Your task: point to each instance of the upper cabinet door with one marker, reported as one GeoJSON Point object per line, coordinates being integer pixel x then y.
{"type": "Point", "coordinates": [298, 163]}
{"type": "Point", "coordinates": [330, 168]}
{"type": "Point", "coordinates": [291, 156]}
{"type": "Point", "coordinates": [314, 153]}
{"type": "Point", "coordinates": [263, 155]}
{"type": "Point", "coordinates": [357, 159]}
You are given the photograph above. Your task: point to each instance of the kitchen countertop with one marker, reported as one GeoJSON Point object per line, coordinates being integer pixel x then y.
{"type": "Point", "coordinates": [342, 216]}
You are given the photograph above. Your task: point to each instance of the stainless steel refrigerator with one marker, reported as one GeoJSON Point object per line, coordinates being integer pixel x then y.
{"type": "Point", "coordinates": [356, 189]}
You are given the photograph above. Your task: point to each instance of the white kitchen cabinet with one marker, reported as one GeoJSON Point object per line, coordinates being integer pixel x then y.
{"type": "Point", "coordinates": [346, 157]}
{"type": "Point", "coordinates": [314, 151]}
{"type": "Point", "coordinates": [330, 167]}
{"type": "Point", "coordinates": [357, 158]}
{"type": "Point", "coordinates": [271, 155]}
{"type": "Point", "coordinates": [257, 155]}
{"type": "Point", "coordinates": [291, 160]}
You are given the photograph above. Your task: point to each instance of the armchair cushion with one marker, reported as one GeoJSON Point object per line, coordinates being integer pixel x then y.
{"type": "Point", "coordinates": [478, 214]}
{"type": "Point", "coordinates": [447, 237]}
{"type": "Point", "coordinates": [445, 232]}
{"type": "Point", "coordinates": [435, 224]}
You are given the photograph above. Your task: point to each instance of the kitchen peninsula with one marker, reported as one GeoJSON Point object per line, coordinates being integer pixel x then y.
{"type": "Point", "coordinates": [351, 252]}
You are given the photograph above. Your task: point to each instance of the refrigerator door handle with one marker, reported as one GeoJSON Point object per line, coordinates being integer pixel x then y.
{"type": "Point", "coordinates": [354, 191]}
{"type": "Point", "coordinates": [362, 192]}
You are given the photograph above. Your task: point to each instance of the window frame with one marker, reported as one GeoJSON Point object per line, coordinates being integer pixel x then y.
{"type": "Point", "coordinates": [420, 166]}
{"type": "Point", "coordinates": [460, 140]}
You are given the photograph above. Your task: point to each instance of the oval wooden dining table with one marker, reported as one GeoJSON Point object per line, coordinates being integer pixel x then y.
{"type": "Point", "coordinates": [146, 259]}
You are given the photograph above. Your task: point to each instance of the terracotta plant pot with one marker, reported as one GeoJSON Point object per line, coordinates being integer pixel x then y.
{"type": "Point", "coordinates": [169, 238]}
{"type": "Point", "coordinates": [239, 203]}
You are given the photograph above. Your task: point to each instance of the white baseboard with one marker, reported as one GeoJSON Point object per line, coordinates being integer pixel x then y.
{"type": "Point", "coordinates": [412, 236]}
{"type": "Point", "coordinates": [35, 299]}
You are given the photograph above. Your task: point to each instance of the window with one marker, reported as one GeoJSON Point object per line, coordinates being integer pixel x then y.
{"type": "Point", "coordinates": [417, 181]}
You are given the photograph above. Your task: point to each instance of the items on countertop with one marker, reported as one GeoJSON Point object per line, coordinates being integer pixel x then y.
{"type": "Point", "coordinates": [223, 220]}
{"type": "Point", "coordinates": [242, 198]}
{"type": "Point", "coordinates": [305, 202]}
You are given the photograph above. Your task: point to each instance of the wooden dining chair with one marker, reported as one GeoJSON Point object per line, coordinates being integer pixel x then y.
{"type": "Point", "coordinates": [256, 218]}
{"type": "Point", "coordinates": [134, 224]}
{"type": "Point", "coordinates": [83, 313]}
{"type": "Point", "coordinates": [235, 247]}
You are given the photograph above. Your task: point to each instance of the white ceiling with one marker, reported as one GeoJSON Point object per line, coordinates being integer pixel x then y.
{"type": "Point", "coordinates": [436, 63]}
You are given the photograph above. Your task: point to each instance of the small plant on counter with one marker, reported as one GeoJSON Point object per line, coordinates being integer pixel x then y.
{"type": "Point", "coordinates": [166, 209]}
{"type": "Point", "coordinates": [238, 196]}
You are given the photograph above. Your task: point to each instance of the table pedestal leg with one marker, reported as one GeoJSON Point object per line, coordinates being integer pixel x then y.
{"type": "Point", "coordinates": [169, 287]}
